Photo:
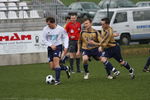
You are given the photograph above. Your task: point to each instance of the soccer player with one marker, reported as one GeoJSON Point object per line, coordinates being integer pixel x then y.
{"type": "Point", "coordinates": [53, 37]}
{"type": "Point", "coordinates": [73, 29]}
{"type": "Point", "coordinates": [146, 67]}
{"type": "Point", "coordinates": [111, 48]}
{"type": "Point", "coordinates": [90, 50]}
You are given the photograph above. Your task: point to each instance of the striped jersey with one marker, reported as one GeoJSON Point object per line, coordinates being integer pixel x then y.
{"type": "Point", "coordinates": [86, 36]}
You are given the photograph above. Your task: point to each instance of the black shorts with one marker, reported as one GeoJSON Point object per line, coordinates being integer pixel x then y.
{"type": "Point", "coordinates": [92, 53]}
{"type": "Point", "coordinates": [73, 46]}
{"type": "Point", "coordinates": [54, 53]}
{"type": "Point", "coordinates": [113, 52]}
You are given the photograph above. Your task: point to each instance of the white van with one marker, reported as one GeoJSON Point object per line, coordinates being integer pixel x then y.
{"type": "Point", "coordinates": [133, 24]}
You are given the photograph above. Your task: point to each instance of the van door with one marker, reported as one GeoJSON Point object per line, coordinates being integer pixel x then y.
{"type": "Point", "coordinates": [121, 25]}
{"type": "Point", "coordinates": [140, 26]}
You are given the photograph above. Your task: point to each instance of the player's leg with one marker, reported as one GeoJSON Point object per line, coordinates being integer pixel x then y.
{"type": "Point", "coordinates": [57, 69]}
{"type": "Point", "coordinates": [77, 57]}
{"type": "Point", "coordinates": [107, 53]}
{"type": "Point", "coordinates": [71, 61]}
{"type": "Point", "coordinates": [85, 66]}
{"type": "Point", "coordinates": [109, 66]}
{"type": "Point", "coordinates": [78, 64]}
{"type": "Point", "coordinates": [117, 56]}
{"type": "Point", "coordinates": [56, 63]}
{"type": "Point", "coordinates": [146, 67]}
{"type": "Point", "coordinates": [72, 54]}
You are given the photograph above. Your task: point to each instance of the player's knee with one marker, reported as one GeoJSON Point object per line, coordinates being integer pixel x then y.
{"type": "Point", "coordinates": [122, 62]}
{"type": "Point", "coordinates": [103, 59]}
{"type": "Point", "coordinates": [85, 61]}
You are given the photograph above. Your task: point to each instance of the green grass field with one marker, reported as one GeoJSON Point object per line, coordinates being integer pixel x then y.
{"type": "Point", "coordinates": [27, 82]}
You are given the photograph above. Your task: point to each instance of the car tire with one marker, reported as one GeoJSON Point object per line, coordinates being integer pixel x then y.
{"type": "Point", "coordinates": [125, 39]}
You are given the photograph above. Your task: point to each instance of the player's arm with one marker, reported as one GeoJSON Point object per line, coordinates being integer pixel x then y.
{"type": "Point", "coordinates": [66, 41]}
{"type": "Point", "coordinates": [98, 38]}
{"type": "Point", "coordinates": [108, 38]}
{"type": "Point", "coordinates": [116, 34]}
{"type": "Point", "coordinates": [79, 45]}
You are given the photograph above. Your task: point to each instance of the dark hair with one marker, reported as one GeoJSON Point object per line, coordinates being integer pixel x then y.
{"type": "Point", "coordinates": [87, 19]}
{"type": "Point", "coordinates": [68, 17]}
{"type": "Point", "coordinates": [107, 21]}
{"type": "Point", "coordinates": [73, 14]}
{"type": "Point", "coordinates": [50, 19]}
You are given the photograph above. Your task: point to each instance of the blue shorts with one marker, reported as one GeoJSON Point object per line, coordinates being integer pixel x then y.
{"type": "Point", "coordinates": [54, 53]}
{"type": "Point", "coordinates": [113, 52]}
{"type": "Point", "coordinates": [92, 53]}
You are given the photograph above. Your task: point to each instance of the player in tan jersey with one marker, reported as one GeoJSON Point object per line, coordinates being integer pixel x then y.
{"type": "Point", "coordinates": [111, 48]}
{"type": "Point", "coordinates": [88, 49]}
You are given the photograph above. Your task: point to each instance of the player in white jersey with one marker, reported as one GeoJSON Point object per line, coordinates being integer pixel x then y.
{"type": "Point", "coordinates": [53, 37]}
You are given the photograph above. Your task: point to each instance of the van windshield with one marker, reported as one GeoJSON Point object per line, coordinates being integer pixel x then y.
{"type": "Point", "coordinates": [99, 16]}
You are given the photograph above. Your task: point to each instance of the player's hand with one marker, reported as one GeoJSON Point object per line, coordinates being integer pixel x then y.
{"type": "Point", "coordinates": [91, 42]}
{"type": "Point", "coordinates": [100, 49]}
{"type": "Point", "coordinates": [78, 53]}
{"type": "Point", "coordinates": [53, 47]}
{"type": "Point", "coordinates": [72, 37]}
{"type": "Point", "coordinates": [116, 34]}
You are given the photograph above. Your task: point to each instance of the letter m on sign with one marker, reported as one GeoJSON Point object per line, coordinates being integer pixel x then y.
{"type": "Point", "coordinates": [4, 38]}
{"type": "Point", "coordinates": [23, 37]}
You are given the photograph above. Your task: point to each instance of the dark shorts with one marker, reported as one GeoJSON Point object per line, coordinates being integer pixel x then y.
{"type": "Point", "coordinates": [92, 53]}
{"type": "Point", "coordinates": [73, 46]}
{"type": "Point", "coordinates": [113, 52]}
{"type": "Point", "coordinates": [54, 53]}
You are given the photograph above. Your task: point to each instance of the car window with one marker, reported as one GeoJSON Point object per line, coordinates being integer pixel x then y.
{"type": "Point", "coordinates": [125, 3]}
{"type": "Point", "coordinates": [121, 17]}
{"type": "Point", "coordinates": [75, 6]}
{"type": "Point", "coordinates": [113, 4]}
{"type": "Point", "coordinates": [89, 6]}
{"type": "Point", "coordinates": [141, 15]}
{"type": "Point", "coordinates": [100, 15]}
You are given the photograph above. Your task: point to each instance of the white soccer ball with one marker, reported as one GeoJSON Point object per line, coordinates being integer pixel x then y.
{"type": "Point", "coordinates": [50, 79]}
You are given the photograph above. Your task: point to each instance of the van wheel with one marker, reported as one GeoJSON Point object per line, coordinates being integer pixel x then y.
{"type": "Point", "coordinates": [125, 39]}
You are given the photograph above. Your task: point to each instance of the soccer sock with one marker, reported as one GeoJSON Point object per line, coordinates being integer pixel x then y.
{"type": "Point", "coordinates": [71, 63]}
{"type": "Point", "coordinates": [57, 73]}
{"type": "Point", "coordinates": [78, 64]}
{"type": "Point", "coordinates": [147, 63]}
{"type": "Point", "coordinates": [109, 66]}
{"type": "Point", "coordinates": [108, 71]}
{"type": "Point", "coordinates": [85, 68]}
{"type": "Point", "coordinates": [127, 66]}
{"type": "Point", "coordinates": [63, 67]}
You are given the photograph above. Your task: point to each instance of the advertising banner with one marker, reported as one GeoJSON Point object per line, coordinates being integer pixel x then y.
{"type": "Point", "coordinates": [21, 42]}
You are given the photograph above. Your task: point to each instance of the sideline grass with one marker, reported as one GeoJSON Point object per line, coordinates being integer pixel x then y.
{"type": "Point", "coordinates": [27, 82]}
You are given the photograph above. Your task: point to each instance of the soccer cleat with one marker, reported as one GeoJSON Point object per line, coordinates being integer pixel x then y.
{"type": "Point", "coordinates": [109, 77]}
{"type": "Point", "coordinates": [68, 72]}
{"type": "Point", "coordinates": [117, 73]}
{"type": "Point", "coordinates": [86, 76]}
{"type": "Point", "coordinates": [72, 72]}
{"type": "Point", "coordinates": [57, 82]}
{"type": "Point", "coordinates": [132, 75]}
{"type": "Point", "coordinates": [146, 70]}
